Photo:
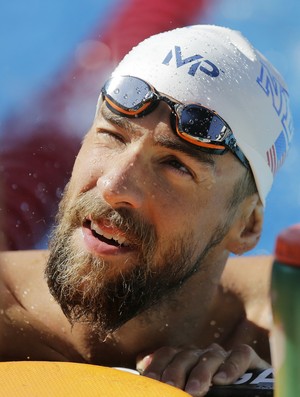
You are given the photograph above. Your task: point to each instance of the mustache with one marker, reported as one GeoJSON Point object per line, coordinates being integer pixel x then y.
{"type": "Point", "coordinates": [88, 206]}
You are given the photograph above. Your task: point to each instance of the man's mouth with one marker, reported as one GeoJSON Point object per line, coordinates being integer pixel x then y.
{"type": "Point", "coordinates": [102, 234]}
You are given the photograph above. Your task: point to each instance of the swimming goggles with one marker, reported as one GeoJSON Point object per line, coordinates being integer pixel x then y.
{"type": "Point", "coordinates": [132, 97]}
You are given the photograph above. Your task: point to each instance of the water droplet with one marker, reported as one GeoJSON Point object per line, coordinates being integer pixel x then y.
{"type": "Point", "coordinates": [24, 206]}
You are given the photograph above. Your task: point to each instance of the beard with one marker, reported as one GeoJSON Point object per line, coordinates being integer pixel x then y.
{"type": "Point", "coordinates": [91, 290]}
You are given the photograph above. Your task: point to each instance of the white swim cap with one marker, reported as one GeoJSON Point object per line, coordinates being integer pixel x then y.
{"type": "Point", "coordinates": [220, 69]}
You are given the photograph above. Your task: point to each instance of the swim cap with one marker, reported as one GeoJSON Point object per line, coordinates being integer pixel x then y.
{"type": "Point", "coordinates": [220, 69]}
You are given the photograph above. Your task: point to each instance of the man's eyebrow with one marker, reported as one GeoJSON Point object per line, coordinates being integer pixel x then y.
{"type": "Point", "coordinates": [119, 121]}
{"type": "Point", "coordinates": [188, 149]}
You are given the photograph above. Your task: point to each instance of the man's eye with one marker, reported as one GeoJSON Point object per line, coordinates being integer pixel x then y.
{"type": "Point", "coordinates": [178, 166]}
{"type": "Point", "coordinates": [110, 135]}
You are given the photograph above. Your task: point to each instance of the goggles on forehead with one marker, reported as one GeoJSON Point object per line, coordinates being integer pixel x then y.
{"type": "Point", "coordinates": [132, 97]}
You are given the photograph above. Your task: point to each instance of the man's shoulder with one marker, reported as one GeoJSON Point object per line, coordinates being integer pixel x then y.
{"type": "Point", "coordinates": [22, 271]}
{"type": "Point", "coordinates": [241, 272]}
{"type": "Point", "coordinates": [30, 258]}
{"type": "Point", "coordinates": [31, 321]}
{"type": "Point", "coordinates": [249, 279]}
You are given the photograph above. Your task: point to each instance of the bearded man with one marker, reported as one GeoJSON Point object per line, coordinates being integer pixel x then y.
{"type": "Point", "coordinates": [171, 178]}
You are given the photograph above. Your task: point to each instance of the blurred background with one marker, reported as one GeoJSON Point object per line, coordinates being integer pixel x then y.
{"type": "Point", "coordinates": [55, 56]}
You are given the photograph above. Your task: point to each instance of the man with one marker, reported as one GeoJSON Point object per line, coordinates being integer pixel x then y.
{"type": "Point", "coordinates": [171, 178]}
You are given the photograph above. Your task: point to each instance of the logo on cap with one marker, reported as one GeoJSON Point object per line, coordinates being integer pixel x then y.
{"type": "Point", "coordinates": [196, 62]}
{"type": "Point", "coordinates": [280, 102]}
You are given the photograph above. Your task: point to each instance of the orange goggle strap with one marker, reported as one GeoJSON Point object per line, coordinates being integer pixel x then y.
{"type": "Point", "coordinates": [196, 142]}
{"type": "Point", "coordinates": [121, 110]}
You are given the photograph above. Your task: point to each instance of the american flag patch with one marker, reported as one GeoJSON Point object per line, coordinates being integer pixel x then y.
{"type": "Point", "coordinates": [277, 152]}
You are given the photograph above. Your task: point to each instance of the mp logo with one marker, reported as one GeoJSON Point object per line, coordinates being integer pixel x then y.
{"type": "Point", "coordinates": [195, 62]}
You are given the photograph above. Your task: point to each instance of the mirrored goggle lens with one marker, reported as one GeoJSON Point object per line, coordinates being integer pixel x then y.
{"type": "Point", "coordinates": [130, 94]}
{"type": "Point", "coordinates": [201, 123]}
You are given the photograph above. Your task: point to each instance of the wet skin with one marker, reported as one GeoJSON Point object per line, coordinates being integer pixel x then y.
{"type": "Point", "coordinates": [142, 166]}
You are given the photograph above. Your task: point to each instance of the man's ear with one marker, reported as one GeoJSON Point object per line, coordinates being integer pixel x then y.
{"type": "Point", "coordinates": [247, 226]}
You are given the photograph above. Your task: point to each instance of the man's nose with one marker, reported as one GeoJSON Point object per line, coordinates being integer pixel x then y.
{"type": "Point", "coordinates": [124, 183]}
